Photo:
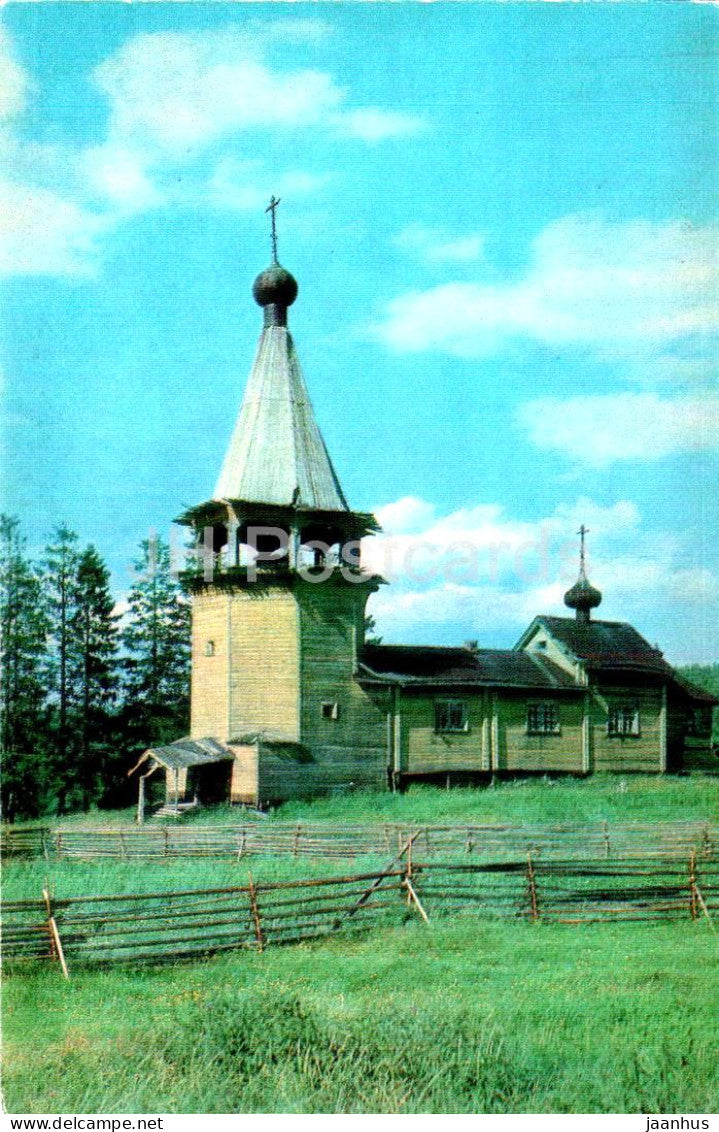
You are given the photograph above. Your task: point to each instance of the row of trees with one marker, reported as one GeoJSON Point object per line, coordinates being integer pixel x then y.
{"type": "Point", "coordinates": [85, 688]}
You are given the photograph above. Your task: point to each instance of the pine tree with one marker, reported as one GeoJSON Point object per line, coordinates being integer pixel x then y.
{"type": "Point", "coordinates": [93, 676]}
{"type": "Point", "coordinates": [157, 642]}
{"type": "Point", "coordinates": [23, 694]}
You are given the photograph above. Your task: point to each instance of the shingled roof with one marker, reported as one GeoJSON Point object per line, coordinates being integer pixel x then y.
{"type": "Point", "coordinates": [277, 454]}
{"type": "Point", "coordinates": [615, 646]}
{"type": "Point", "coordinates": [407, 664]}
{"type": "Point", "coordinates": [605, 644]}
{"type": "Point", "coordinates": [185, 753]}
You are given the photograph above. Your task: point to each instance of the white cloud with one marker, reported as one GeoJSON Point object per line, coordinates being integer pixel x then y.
{"type": "Point", "coordinates": [621, 287]}
{"type": "Point", "coordinates": [483, 543]}
{"type": "Point", "coordinates": [406, 516]}
{"type": "Point", "coordinates": [41, 233]}
{"type": "Point", "coordinates": [248, 185]}
{"type": "Point", "coordinates": [479, 571]}
{"type": "Point", "coordinates": [174, 98]}
{"type": "Point", "coordinates": [180, 91]}
{"type": "Point", "coordinates": [119, 176]}
{"type": "Point", "coordinates": [599, 430]}
{"type": "Point", "coordinates": [374, 125]}
{"type": "Point", "coordinates": [435, 246]}
{"type": "Point", "coordinates": [15, 83]}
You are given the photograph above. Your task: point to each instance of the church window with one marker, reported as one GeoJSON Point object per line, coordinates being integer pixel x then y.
{"type": "Point", "coordinates": [330, 710]}
{"type": "Point", "coordinates": [209, 648]}
{"type": "Point", "coordinates": [699, 723]}
{"type": "Point", "coordinates": [542, 719]}
{"type": "Point", "coordinates": [450, 716]}
{"type": "Point", "coordinates": [623, 720]}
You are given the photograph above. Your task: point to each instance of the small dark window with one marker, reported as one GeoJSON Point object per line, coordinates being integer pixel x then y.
{"type": "Point", "coordinates": [330, 710]}
{"type": "Point", "coordinates": [450, 716]}
{"type": "Point", "coordinates": [209, 648]}
{"type": "Point", "coordinates": [542, 719]}
{"type": "Point", "coordinates": [623, 719]}
{"type": "Point", "coordinates": [699, 723]}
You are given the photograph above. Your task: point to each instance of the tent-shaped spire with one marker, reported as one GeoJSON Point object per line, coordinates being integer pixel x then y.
{"type": "Point", "coordinates": [277, 454]}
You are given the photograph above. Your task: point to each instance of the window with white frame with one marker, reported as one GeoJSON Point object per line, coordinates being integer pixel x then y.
{"type": "Point", "coordinates": [330, 710]}
{"type": "Point", "coordinates": [450, 716]}
{"type": "Point", "coordinates": [542, 719]}
{"type": "Point", "coordinates": [623, 719]}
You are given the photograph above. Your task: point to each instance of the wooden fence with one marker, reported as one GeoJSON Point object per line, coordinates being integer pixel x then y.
{"type": "Point", "coordinates": [30, 842]}
{"type": "Point", "coordinates": [594, 840]}
{"type": "Point", "coordinates": [169, 926]}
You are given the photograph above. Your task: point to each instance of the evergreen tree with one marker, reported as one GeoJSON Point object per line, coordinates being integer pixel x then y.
{"type": "Point", "coordinates": [93, 677]}
{"type": "Point", "coordinates": [60, 583]}
{"type": "Point", "coordinates": [370, 626]}
{"type": "Point", "coordinates": [23, 696]}
{"type": "Point", "coordinates": [157, 642]}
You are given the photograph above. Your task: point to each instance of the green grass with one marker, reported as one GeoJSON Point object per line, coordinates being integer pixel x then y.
{"type": "Point", "coordinates": [611, 797]}
{"type": "Point", "coordinates": [460, 1016]}
{"type": "Point", "coordinates": [25, 879]}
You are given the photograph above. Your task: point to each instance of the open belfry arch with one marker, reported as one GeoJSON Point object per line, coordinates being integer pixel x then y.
{"type": "Point", "coordinates": [287, 700]}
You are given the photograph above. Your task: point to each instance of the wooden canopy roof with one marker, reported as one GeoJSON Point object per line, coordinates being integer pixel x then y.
{"type": "Point", "coordinates": [185, 753]}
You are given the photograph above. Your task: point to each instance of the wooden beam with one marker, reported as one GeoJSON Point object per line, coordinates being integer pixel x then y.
{"type": "Point", "coordinates": [54, 933]}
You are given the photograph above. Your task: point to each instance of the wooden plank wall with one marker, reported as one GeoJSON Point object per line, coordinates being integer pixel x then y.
{"type": "Point", "coordinates": [520, 751]}
{"type": "Point", "coordinates": [208, 698]}
{"type": "Point", "coordinates": [265, 671]}
{"type": "Point", "coordinates": [632, 752]}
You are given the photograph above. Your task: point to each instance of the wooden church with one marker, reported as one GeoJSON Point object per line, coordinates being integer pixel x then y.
{"type": "Point", "coordinates": [289, 701]}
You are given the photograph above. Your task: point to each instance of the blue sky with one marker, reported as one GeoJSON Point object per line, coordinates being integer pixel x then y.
{"type": "Point", "coordinates": [503, 222]}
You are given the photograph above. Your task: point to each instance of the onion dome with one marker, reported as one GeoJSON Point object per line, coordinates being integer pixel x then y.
{"type": "Point", "coordinates": [275, 287]}
{"type": "Point", "coordinates": [583, 597]}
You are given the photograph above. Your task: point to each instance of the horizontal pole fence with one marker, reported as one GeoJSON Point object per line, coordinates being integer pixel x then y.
{"type": "Point", "coordinates": [592, 840]}
{"type": "Point", "coordinates": [168, 926]}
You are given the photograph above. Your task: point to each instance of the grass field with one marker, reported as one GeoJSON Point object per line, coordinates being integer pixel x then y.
{"type": "Point", "coordinates": [630, 798]}
{"type": "Point", "coordinates": [458, 1017]}
{"type": "Point", "coordinates": [462, 1015]}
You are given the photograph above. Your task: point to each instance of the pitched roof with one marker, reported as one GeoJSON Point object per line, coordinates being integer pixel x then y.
{"type": "Point", "coordinates": [616, 646]}
{"type": "Point", "coordinates": [605, 644]}
{"type": "Point", "coordinates": [187, 752]}
{"type": "Point", "coordinates": [407, 664]}
{"type": "Point", "coordinates": [277, 454]}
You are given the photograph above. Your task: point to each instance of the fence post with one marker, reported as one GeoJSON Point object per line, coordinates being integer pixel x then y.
{"type": "Point", "coordinates": [533, 906]}
{"type": "Point", "coordinates": [606, 840]}
{"type": "Point", "coordinates": [254, 908]}
{"type": "Point", "coordinates": [55, 940]}
{"type": "Point", "coordinates": [296, 843]}
{"type": "Point", "coordinates": [408, 874]}
{"type": "Point", "coordinates": [167, 836]}
{"type": "Point", "coordinates": [241, 841]}
{"type": "Point", "coordinates": [706, 842]}
{"type": "Point", "coordinates": [693, 885]}
{"type": "Point", "coordinates": [123, 848]}
{"type": "Point", "coordinates": [45, 853]}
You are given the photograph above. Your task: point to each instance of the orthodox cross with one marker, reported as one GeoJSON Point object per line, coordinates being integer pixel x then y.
{"type": "Point", "coordinates": [582, 532]}
{"type": "Point", "coordinates": [272, 207]}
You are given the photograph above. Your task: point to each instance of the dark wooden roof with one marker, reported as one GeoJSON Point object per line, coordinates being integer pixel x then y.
{"type": "Point", "coordinates": [615, 646]}
{"type": "Point", "coordinates": [185, 753]}
{"type": "Point", "coordinates": [406, 664]}
{"type": "Point", "coordinates": [606, 644]}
